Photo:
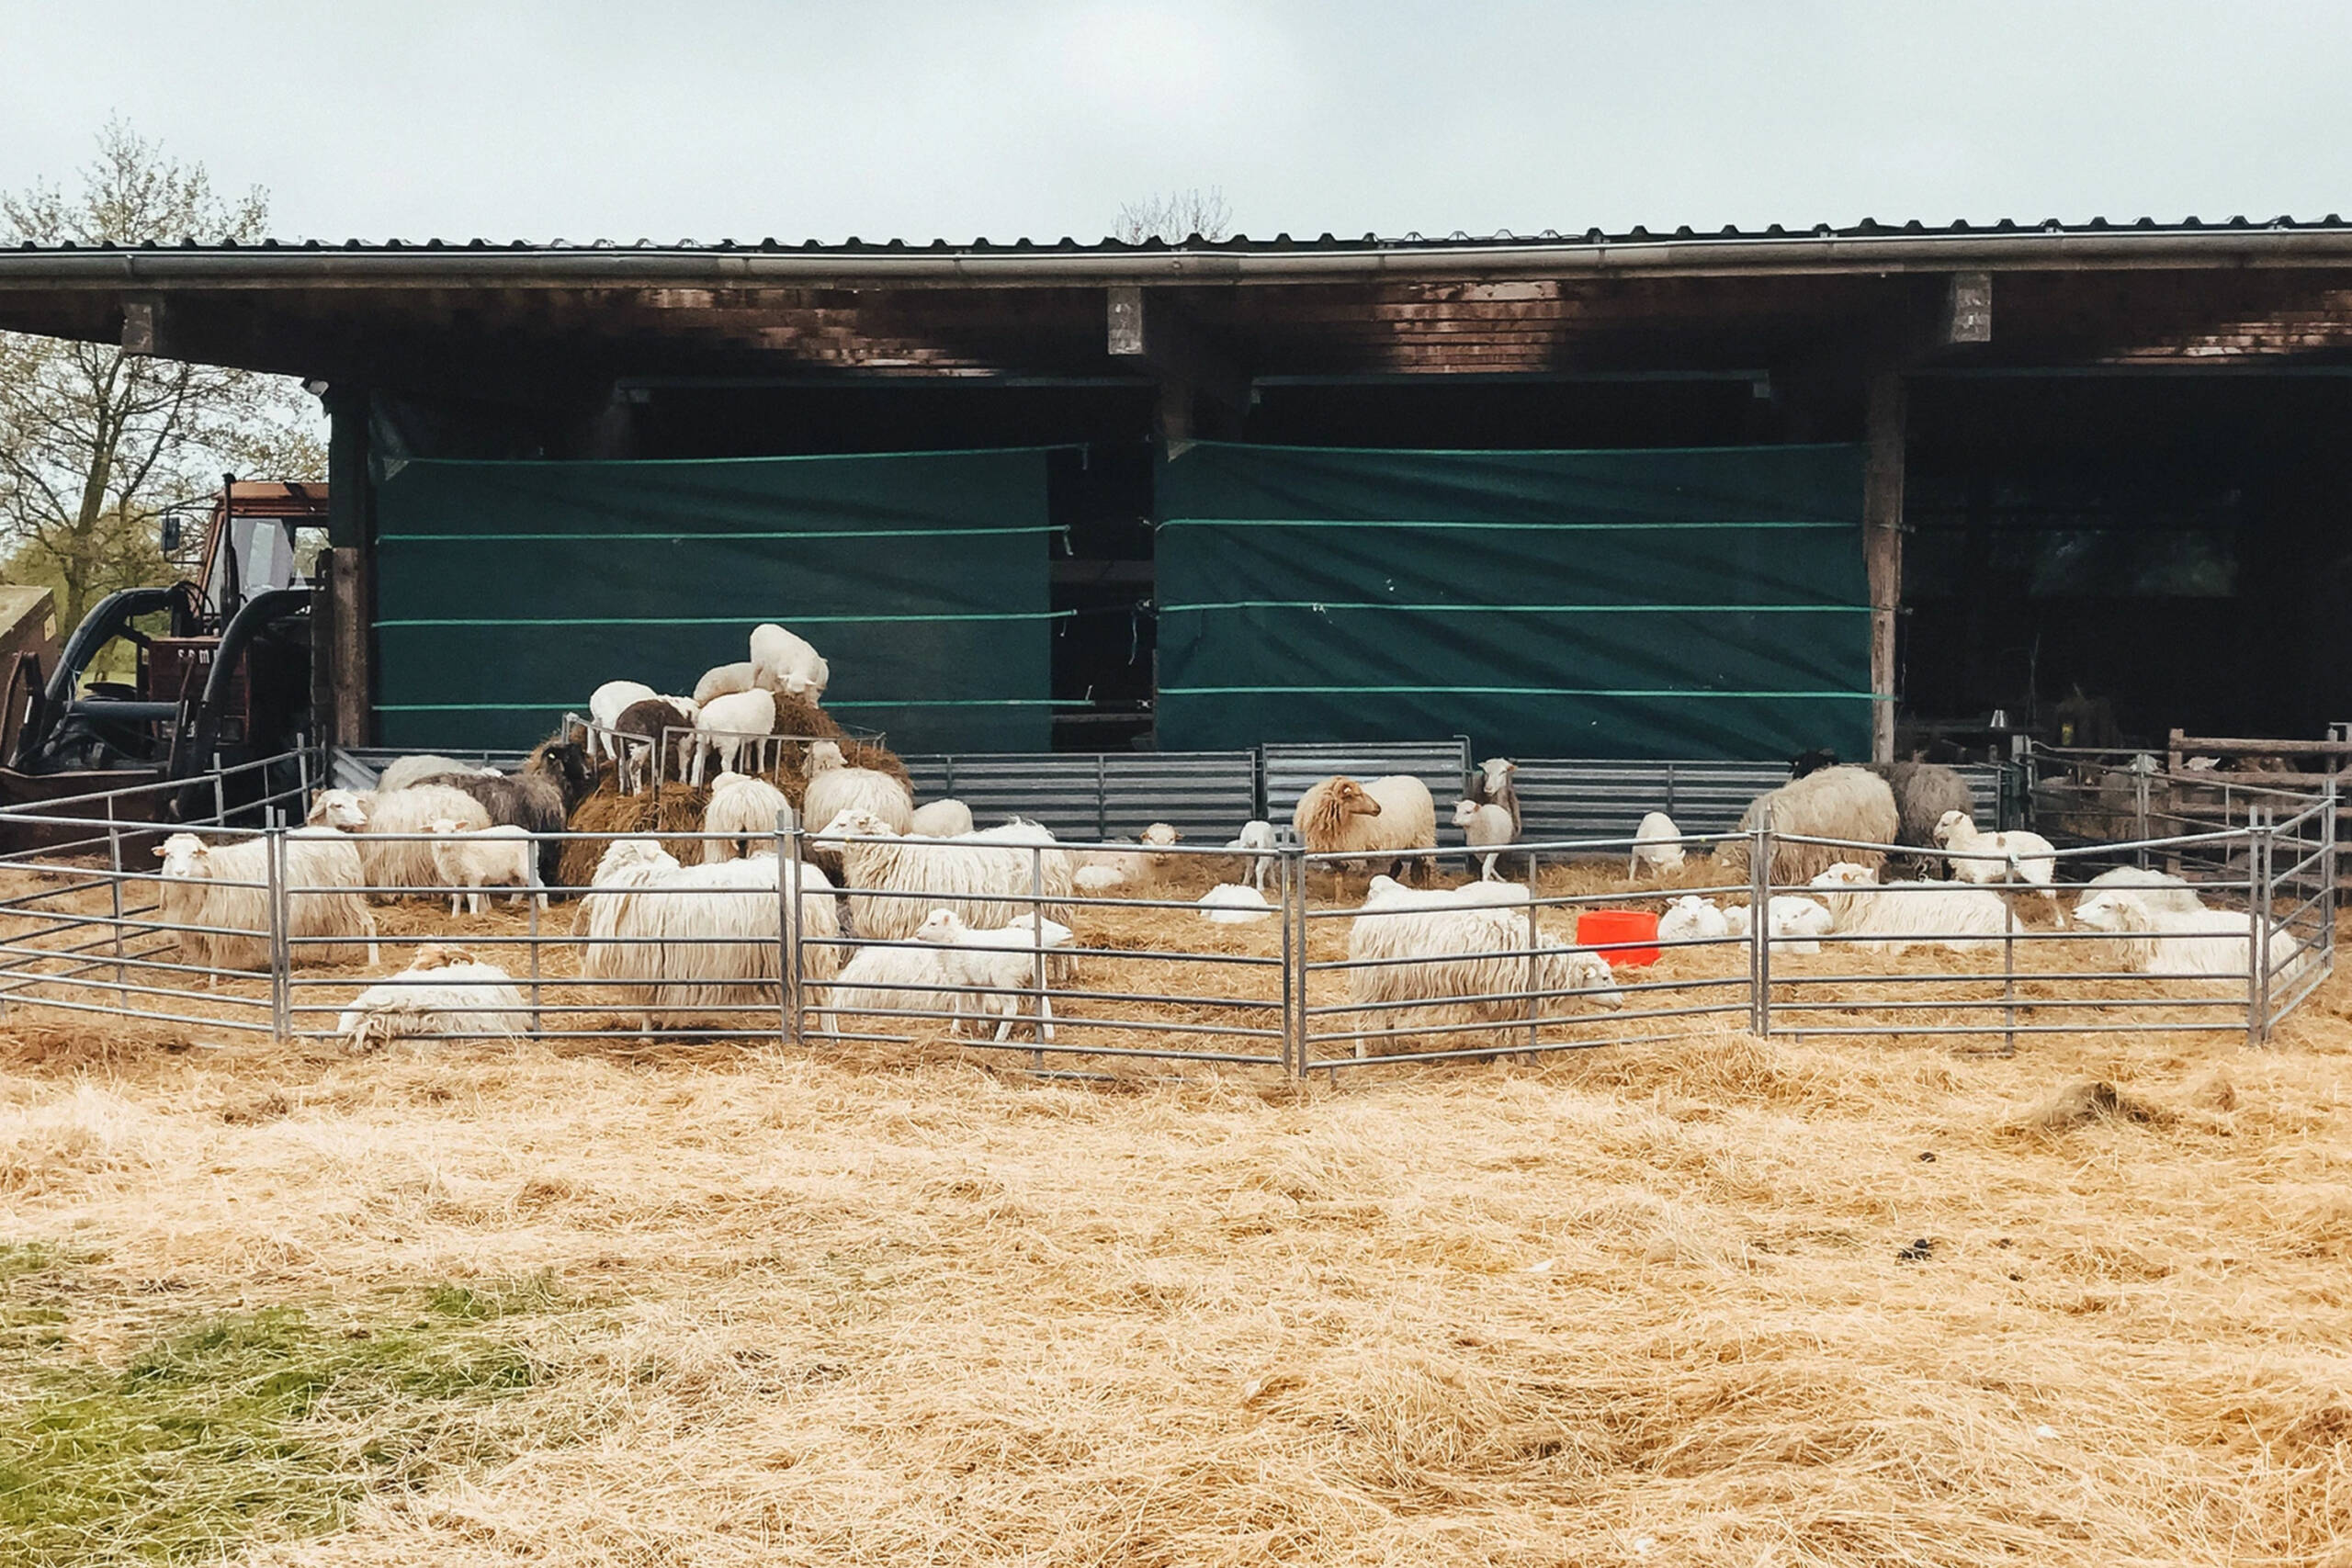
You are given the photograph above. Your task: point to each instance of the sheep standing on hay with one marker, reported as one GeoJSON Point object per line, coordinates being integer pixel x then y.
{"type": "Point", "coordinates": [466, 862]}
{"type": "Point", "coordinates": [671, 939]}
{"type": "Point", "coordinates": [725, 680]}
{"type": "Point", "coordinates": [1468, 948]}
{"type": "Point", "coordinates": [539, 799]}
{"type": "Point", "coordinates": [1256, 845]}
{"type": "Point", "coordinates": [645, 727]}
{"type": "Point", "coordinates": [443, 992]}
{"type": "Point", "coordinates": [996, 968]}
{"type": "Point", "coordinates": [2216, 943]}
{"type": "Point", "coordinates": [1898, 916]}
{"type": "Point", "coordinates": [1369, 822]}
{"type": "Point", "coordinates": [1997, 857]}
{"type": "Point", "coordinates": [606, 705]}
{"type": "Point", "coordinates": [1493, 785]}
{"type": "Point", "coordinates": [1923, 793]}
{"type": "Point", "coordinates": [746, 809]}
{"type": "Point", "coordinates": [785, 662]}
{"type": "Point", "coordinates": [226, 885]}
{"type": "Point", "coordinates": [985, 877]}
{"type": "Point", "coordinates": [940, 820]}
{"type": "Point", "coordinates": [1658, 848]}
{"type": "Point", "coordinates": [731, 726]}
{"type": "Point", "coordinates": [396, 867]}
{"type": "Point", "coordinates": [1485, 826]}
{"type": "Point", "coordinates": [1845, 803]}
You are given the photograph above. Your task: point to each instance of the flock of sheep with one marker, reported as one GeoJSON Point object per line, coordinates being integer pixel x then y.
{"type": "Point", "coordinates": [911, 911]}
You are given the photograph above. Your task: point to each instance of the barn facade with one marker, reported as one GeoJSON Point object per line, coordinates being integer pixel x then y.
{"type": "Point", "coordinates": [1735, 494]}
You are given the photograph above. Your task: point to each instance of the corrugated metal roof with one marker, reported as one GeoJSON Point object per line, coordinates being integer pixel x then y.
{"type": "Point", "coordinates": [1867, 228]}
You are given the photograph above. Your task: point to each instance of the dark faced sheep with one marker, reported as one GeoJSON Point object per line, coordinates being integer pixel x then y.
{"type": "Point", "coordinates": [646, 718]}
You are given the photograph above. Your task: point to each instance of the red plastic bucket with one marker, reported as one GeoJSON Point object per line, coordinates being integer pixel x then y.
{"type": "Point", "coordinates": [1603, 928]}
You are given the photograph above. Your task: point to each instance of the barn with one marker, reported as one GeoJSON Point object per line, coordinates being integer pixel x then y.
{"type": "Point", "coordinates": [1729, 494]}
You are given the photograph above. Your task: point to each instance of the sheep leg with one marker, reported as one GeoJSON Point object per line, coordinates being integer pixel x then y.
{"type": "Point", "coordinates": [1045, 1017]}
{"type": "Point", "coordinates": [368, 924]}
{"type": "Point", "coordinates": [456, 901]}
{"type": "Point", "coordinates": [1487, 872]}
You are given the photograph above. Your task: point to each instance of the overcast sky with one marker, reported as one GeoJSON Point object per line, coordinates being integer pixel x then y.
{"type": "Point", "coordinates": [677, 119]}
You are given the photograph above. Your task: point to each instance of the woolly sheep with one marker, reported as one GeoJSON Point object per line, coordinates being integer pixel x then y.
{"type": "Point", "coordinates": [466, 862]}
{"type": "Point", "coordinates": [445, 992]}
{"type": "Point", "coordinates": [731, 726]}
{"type": "Point", "coordinates": [1797, 922]}
{"type": "Point", "coordinates": [406, 772]}
{"type": "Point", "coordinates": [1485, 826]}
{"type": "Point", "coordinates": [1234, 904]}
{"type": "Point", "coordinates": [1369, 822]}
{"type": "Point", "coordinates": [745, 809]}
{"type": "Point", "coordinates": [1257, 843]}
{"type": "Point", "coordinates": [1923, 792]}
{"type": "Point", "coordinates": [1691, 918]}
{"type": "Point", "coordinates": [672, 940]}
{"type": "Point", "coordinates": [996, 968]}
{"type": "Point", "coordinates": [1466, 949]}
{"type": "Point", "coordinates": [1099, 879]}
{"type": "Point", "coordinates": [940, 820]}
{"type": "Point", "coordinates": [540, 797]}
{"type": "Point", "coordinates": [217, 896]}
{"type": "Point", "coordinates": [834, 787]}
{"type": "Point", "coordinates": [2157, 889]}
{"type": "Point", "coordinates": [984, 877]}
{"type": "Point", "coordinates": [2216, 943]}
{"type": "Point", "coordinates": [725, 679]}
{"type": "Point", "coordinates": [399, 866]}
{"type": "Point", "coordinates": [1997, 857]}
{"type": "Point", "coordinates": [785, 662]}
{"type": "Point", "coordinates": [1493, 785]}
{"type": "Point", "coordinates": [1898, 916]}
{"type": "Point", "coordinates": [606, 705]}
{"type": "Point", "coordinates": [1656, 851]}
{"type": "Point", "coordinates": [1845, 803]}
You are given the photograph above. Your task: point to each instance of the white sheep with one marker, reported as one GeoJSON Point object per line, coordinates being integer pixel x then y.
{"type": "Point", "coordinates": [731, 726]}
{"type": "Point", "coordinates": [1797, 922]}
{"type": "Point", "coordinates": [725, 680]}
{"type": "Point", "coordinates": [996, 968]}
{"type": "Point", "coordinates": [2158, 889]}
{"type": "Point", "coordinates": [1140, 867]}
{"type": "Point", "coordinates": [403, 772]}
{"type": "Point", "coordinates": [785, 663]}
{"type": "Point", "coordinates": [2216, 943]}
{"type": "Point", "coordinates": [673, 939]}
{"type": "Point", "coordinates": [940, 820]}
{"type": "Point", "coordinates": [1898, 916]}
{"type": "Point", "coordinates": [217, 896]}
{"type": "Point", "coordinates": [1369, 823]}
{"type": "Point", "coordinates": [834, 787]}
{"type": "Point", "coordinates": [1234, 904]}
{"type": "Point", "coordinates": [445, 992]}
{"type": "Point", "coordinates": [1097, 879]}
{"type": "Point", "coordinates": [2013, 856]}
{"type": "Point", "coordinates": [608, 703]}
{"type": "Point", "coordinates": [985, 877]}
{"type": "Point", "coordinates": [404, 865]}
{"type": "Point", "coordinates": [1485, 826]}
{"type": "Point", "coordinates": [1657, 849]}
{"type": "Point", "coordinates": [467, 861]}
{"type": "Point", "coordinates": [1462, 951]}
{"type": "Point", "coordinates": [744, 808]}
{"type": "Point", "coordinates": [1691, 918]}
{"type": "Point", "coordinates": [1257, 842]}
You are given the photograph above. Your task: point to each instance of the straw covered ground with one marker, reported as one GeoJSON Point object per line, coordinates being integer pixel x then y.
{"type": "Point", "coordinates": [1725, 1299]}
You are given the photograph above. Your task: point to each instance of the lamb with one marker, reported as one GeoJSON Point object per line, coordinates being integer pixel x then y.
{"type": "Point", "coordinates": [672, 940]}
{"type": "Point", "coordinates": [648, 725]}
{"type": "Point", "coordinates": [2158, 890]}
{"type": "Point", "coordinates": [1486, 827]}
{"type": "Point", "coordinates": [784, 663]}
{"type": "Point", "coordinates": [1234, 904]}
{"type": "Point", "coordinates": [997, 967]}
{"type": "Point", "coordinates": [443, 992]}
{"type": "Point", "coordinates": [1462, 951]}
{"type": "Point", "coordinates": [1997, 857]}
{"type": "Point", "coordinates": [983, 877]}
{"type": "Point", "coordinates": [1898, 916]}
{"type": "Point", "coordinates": [1099, 879]}
{"type": "Point", "coordinates": [606, 705]}
{"type": "Point", "coordinates": [397, 866]}
{"type": "Point", "coordinates": [1797, 923]}
{"type": "Point", "coordinates": [940, 820]}
{"type": "Point", "coordinates": [731, 725]}
{"type": "Point", "coordinates": [217, 894]}
{"type": "Point", "coordinates": [500, 856]}
{"type": "Point", "coordinates": [1658, 849]}
{"type": "Point", "coordinates": [744, 808]}
{"type": "Point", "coordinates": [1691, 918]}
{"type": "Point", "coordinates": [834, 787]}
{"type": "Point", "coordinates": [725, 680]}
{"type": "Point", "coordinates": [539, 799]}
{"type": "Point", "coordinates": [1257, 842]}
{"type": "Point", "coordinates": [1493, 785]}
{"type": "Point", "coordinates": [2216, 943]}
{"type": "Point", "coordinates": [892, 978]}
{"type": "Point", "coordinates": [1923, 793]}
{"type": "Point", "coordinates": [1369, 822]}
{"type": "Point", "coordinates": [406, 772]}
{"type": "Point", "coordinates": [1844, 803]}
{"type": "Point", "coordinates": [1100, 871]}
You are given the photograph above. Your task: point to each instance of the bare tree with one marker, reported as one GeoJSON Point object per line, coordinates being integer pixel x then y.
{"type": "Point", "coordinates": [1175, 217]}
{"type": "Point", "coordinates": [95, 444]}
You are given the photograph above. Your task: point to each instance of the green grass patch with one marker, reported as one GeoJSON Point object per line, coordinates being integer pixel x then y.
{"type": "Point", "coordinates": [262, 1423]}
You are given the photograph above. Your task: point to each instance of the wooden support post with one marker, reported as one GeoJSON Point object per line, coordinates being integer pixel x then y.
{"type": "Point", "coordinates": [1883, 548]}
{"type": "Point", "coordinates": [351, 533]}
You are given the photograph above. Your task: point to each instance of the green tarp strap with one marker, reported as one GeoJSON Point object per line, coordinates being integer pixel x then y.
{"type": "Point", "coordinates": [1679, 603]}
{"type": "Point", "coordinates": [506, 591]}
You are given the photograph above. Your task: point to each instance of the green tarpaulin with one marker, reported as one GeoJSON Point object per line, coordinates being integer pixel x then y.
{"type": "Point", "coordinates": [506, 591]}
{"type": "Point", "coordinates": [1687, 602]}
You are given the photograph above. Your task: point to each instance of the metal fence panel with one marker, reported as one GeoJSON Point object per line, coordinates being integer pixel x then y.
{"type": "Point", "coordinates": [1088, 795]}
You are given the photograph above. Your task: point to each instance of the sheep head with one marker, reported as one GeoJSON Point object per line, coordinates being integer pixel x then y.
{"type": "Point", "coordinates": [940, 925]}
{"type": "Point", "coordinates": [627, 855]}
{"type": "Point", "coordinates": [183, 855]}
{"type": "Point", "coordinates": [1465, 812]}
{"type": "Point", "coordinates": [2113, 910]}
{"type": "Point", "coordinates": [1498, 772]}
{"type": "Point", "coordinates": [1846, 874]}
{"type": "Point", "coordinates": [854, 822]}
{"type": "Point", "coordinates": [1953, 824]}
{"type": "Point", "coordinates": [1160, 835]}
{"type": "Point", "coordinates": [444, 824]}
{"type": "Point", "coordinates": [439, 955]}
{"type": "Point", "coordinates": [340, 810]}
{"type": "Point", "coordinates": [824, 757]}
